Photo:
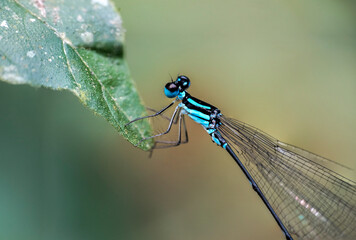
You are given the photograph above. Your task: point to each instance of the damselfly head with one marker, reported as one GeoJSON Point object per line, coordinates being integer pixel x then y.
{"type": "Point", "coordinates": [183, 82]}
{"type": "Point", "coordinates": [172, 89]}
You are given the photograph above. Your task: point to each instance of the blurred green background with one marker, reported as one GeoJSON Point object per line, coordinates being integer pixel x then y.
{"type": "Point", "coordinates": [285, 67]}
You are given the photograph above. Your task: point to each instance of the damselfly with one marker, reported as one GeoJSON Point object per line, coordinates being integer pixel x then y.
{"type": "Point", "coordinates": [307, 200]}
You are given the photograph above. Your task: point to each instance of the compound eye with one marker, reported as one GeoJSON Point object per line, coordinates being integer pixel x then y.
{"type": "Point", "coordinates": [183, 81]}
{"type": "Point", "coordinates": [171, 90]}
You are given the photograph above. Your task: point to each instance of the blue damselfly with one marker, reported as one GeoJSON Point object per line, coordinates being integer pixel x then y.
{"type": "Point", "coordinates": [307, 200]}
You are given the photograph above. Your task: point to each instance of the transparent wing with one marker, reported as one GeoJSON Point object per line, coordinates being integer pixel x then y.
{"type": "Point", "coordinates": [312, 201]}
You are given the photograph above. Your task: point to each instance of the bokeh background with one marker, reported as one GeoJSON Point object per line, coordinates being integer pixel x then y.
{"type": "Point", "coordinates": [285, 67]}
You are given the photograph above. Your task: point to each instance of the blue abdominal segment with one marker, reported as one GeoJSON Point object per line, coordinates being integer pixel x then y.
{"type": "Point", "coordinates": [215, 139]}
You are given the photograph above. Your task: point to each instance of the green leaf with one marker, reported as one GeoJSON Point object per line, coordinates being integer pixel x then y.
{"type": "Point", "coordinates": [76, 46]}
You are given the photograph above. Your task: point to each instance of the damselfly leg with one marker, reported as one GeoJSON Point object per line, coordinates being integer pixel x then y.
{"type": "Point", "coordinates": [153, 115]}
{"type": "Point", "coordinates": [176, 118]}
{"type": "Point", "coordinates": [181, 126]}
